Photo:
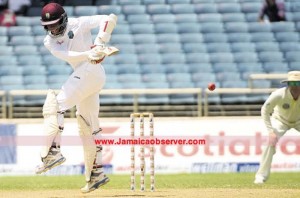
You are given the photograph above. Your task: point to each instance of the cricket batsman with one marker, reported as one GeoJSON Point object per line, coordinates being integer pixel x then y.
{"type": "Point", "coordinates": [70, 40]}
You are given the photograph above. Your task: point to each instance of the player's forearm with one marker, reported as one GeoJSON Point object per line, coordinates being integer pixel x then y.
{"type": "Point", "coordinates": [71, 55]}
{"type": "Point", "coordinates": [106, 28]}
{"type": "Point", "coordinates": [266, 116]}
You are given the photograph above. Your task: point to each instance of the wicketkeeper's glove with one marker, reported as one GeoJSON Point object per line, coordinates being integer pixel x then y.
{"type": "Point", "coordinates": [99, 52]}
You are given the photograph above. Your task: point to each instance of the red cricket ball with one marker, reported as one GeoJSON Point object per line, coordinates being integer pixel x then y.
{"type": "Point", "coordinates": [211, 86]}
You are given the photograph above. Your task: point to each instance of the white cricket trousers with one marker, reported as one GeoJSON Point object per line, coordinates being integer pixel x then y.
{"type": "Point", "coordinates": [267, 156]}
{"type": "Point", "coordinates": [82, 90]}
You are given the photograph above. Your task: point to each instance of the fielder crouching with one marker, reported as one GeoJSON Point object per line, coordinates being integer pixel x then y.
{"type": "Point", "coordinates": [70, 40]}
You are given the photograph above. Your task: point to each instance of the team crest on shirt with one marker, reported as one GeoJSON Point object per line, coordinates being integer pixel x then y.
{"type": "Point", "coordinates": [285, 106]}
{"type": "Point", "coordinates": [70, 34]}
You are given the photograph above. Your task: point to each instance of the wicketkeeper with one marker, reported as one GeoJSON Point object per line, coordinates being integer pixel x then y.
{"type": "Point", "coordinates": [70, 39]}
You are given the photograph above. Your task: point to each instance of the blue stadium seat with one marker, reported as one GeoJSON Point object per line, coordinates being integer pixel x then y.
{"type": "Point", "coordinates": [163, 18]}
{"type": "Point", "coordinates": [154, 77]}
{"type": "Point", "coordinates": [188, 27]}
{"type": "Point", "coordinates": [35, 79]}
{"type": "Point", "coordinates": [204, 77]}
{"type": "Point", "coordinates": [85, 10]}
{"type": "Point", "coordinates": [225, 67]}
{"type": "Point", "coordinates": [126, 59]}
{"type": "Point", "coordinates": [191, 38]}
{"type": "Point", "coordinates": [193, 48]}
{"type": "Point", "coordinates": [30, 60]}
{"type": "Point", "coordinates": [275, 67]}
{"type": "Point", "coordinates": [111, 78]}
{"type": "Point", "coordinates": [258, 27]}
{"type": "Point", "coordinates": [186, 18]}
{"type": "Point", "coordinates": [202, 8]}
{"type": "Point", "coordinates": [34, 70]}
{"type": "Point", "coordinates": [38, 30]}
{"type": "Point", "coordinates": [129, 69]}
{"type": "Point", "coordinates": [152, 68]}
{"type": "Point", "coordinates": [158, 9]}
{"type": "Point", "coordinates": [147, 2]}
{"type": "Point", "coordinates": [133, 9]}
{"type": "Point", "coordinates": [6, 50]}
{"type": "Point", "coordinates": [129, 2]}
{"type": "Point", "coordinates": [11, 80]}
{"type": "Point", "coordinates": [3, 40]}
{"type": "Point", "coordinates": [192, 58]}
{"type": "Point", "coordinates": [153, 58]}
{"type": "Point", "coordinates": [19, 31]}
{"type": "Point", "coordinates": [212, 27]}
{"type": "Point", "coordinates": [170, 48]}
{"type": "Point", "coordinates": [3, 31]}
{"type": "Point", "coordinates": [229, 8]}
{"type": "Point", "coordinates": [262, 37]}
{"type": "Point", "coordinates": [245, 57]}
{"type": "Point", "coordinates": [22, 40]}
{"type": "Point", "coordinates": [51, 60]}
{"type": "Point", "coordinates": [210, 17]}
{"type": "Point", "coordinates": [178, 1]}
{"type": "Point", "coordinates": [251, 7]}
{"type": "Point", "coordinates": [239, 37]}
{"type": "Point", "coordinates": [179, 77]}
{"type": "Point", "coordinates": [233, 17]}
{"type": "Point", "coordinates": [122, 38]}
{"type": "Point", "coordinates": [111, 69]}
{"type": "Point", "coordinates": [182, 8]}
{"type": "Point", "coordinates": [250, 67]}
{"type": "Point", "coordinates": [221, 57]}
{"type": "Point", "coordinates": [119, 29]}
{"type": "Point", "coordinates": [25, 49]}
{"type": "Point", "coordinates": [218, 47]}
{"type": "Point", "coordinates": [215, 38]}
{"type": "Point", "coordinates": [283, 27]}
{"type": "Point", "coordinates": [267, 46]}
{"type": "Point", "coordinates": [233, 27]}
{"type": "Point", "coordinates": [242, 47]}
{"type": "Point", "coordinates": [147, 48]}
{"type": "Point", "coordinates": [165, 28]}
{"type": "Point", "coordinates": [294, 65]}
{"type": "Point", "coordinates": [289, 46]}
{"type": "Point", "coordinates": [287, 36]}
{"type": "Point", "coordinates": [167, 38]}
{"type": "Point", "coordinates": [202, 67]}
{"type": "Point", "coordinates": [69, 10]}
{"type": "Point", "coordinates": [271, 56]}
{"type": "Point", "coordinates": [8, 60]}
{"type": "Point", "coordinates": [138, 18]}
{"type": "Point", "coordinates": [292, 56]}
{"type": "Point", "coordinates": [176, 68]}
{"type": "Point", "coordinates": [57, 69]}
{"type": "Point", "coordinates": [108, 9]}
{"type": "Point", "coordinates": [125, 78]}
{"type": "Point", "coordinates": [251, 17]}
{"type": "Point", "coordinates": [170, 58]}
{"type": "Point", "coordinates": [225, 76]}
{"type": "Point", "coordinates": [6, 70]}
{"type": "Point", "coordinates": [127, 48]}
{"type": "Point", "coordinates": [142, 28]}
{"type": "Point", "coordinates": [144, 38]}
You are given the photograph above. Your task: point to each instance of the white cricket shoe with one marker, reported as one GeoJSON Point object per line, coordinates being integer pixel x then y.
{"type": "Point", "coordinates": [259, 180]}
{"type": "Point", "coordinates": [98, 178]}
{"type": "Point", "coordinates": [53, 159]}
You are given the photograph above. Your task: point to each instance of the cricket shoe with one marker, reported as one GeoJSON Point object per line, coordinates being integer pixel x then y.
{"type": "Point", "coordinates": [53, 159]}
{"type": "Point", "coordinates": [259, 180]}
{"type": "Point", "coordinates": [98, 178]}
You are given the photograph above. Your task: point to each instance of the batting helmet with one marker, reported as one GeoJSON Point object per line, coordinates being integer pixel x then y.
{"type": "Point", "coordinates": [54, 19]}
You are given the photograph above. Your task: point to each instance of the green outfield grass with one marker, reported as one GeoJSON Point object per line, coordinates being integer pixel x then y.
{"type": "Point", "coordinates": [176, 181]}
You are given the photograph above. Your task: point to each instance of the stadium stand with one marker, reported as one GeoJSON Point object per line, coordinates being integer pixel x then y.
{"type": "Point", "coordinates": [164, 43]}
